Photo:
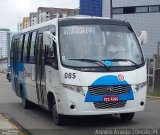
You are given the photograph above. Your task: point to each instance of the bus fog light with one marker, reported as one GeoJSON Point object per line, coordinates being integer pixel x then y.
{"type": "Point", "coordinates": [140, 86]}
{"type": "Point", "coordinates": [77, 89]}
{"type": "Point", "coordinates": [142, 103]}
{"type": "Point", "coordinates": [72, 106]}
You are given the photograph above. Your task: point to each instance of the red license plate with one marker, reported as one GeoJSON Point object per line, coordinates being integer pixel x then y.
{"type": "Point", "coordinates": [111, 99]}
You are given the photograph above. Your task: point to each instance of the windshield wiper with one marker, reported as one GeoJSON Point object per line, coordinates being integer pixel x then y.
{"type": "Point", "coordinates": [117, 60]}
{"type": "Point", "coordinates": [92, 61]}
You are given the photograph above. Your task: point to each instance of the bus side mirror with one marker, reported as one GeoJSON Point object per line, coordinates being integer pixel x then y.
{"type": "Point", "coordinates": [143, 38]}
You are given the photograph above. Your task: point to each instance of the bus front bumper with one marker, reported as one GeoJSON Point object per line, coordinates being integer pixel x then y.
{"type": "Point", "coordinates": [76, 105]}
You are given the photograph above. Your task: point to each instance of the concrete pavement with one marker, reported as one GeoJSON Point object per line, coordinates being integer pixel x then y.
{"type": "Point", "coordinates": [5, 124]}
{"type": "Point", "coordinates": [37, 121]}
{"type": "Point", "coordinates": [7, 127]}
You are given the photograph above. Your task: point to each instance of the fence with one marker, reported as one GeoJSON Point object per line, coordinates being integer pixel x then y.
{"type": "Point", "coordinates": [153, 71]}
{"type": "Point", "coordinates": [151, 67]}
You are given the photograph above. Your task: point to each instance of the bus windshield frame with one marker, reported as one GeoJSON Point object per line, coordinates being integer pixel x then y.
{"type": "Point", "coordinates": [91, 32]}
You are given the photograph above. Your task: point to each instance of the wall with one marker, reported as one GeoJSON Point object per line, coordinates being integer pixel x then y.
{"type": "Point", "coordinates": [91, 7]}
{"type": "Point", "coordinates": [157, 80]}
{"type": "Point", "coordinates": [149, 22]}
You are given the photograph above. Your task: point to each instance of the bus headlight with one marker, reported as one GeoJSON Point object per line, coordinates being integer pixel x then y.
{"type": "Point", "coordinates": [77, 89]}
{"type": "Point", "coordinates": [140, 86]}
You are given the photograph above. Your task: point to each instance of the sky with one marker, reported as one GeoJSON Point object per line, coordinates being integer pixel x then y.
{"type": "Point", "coordinates": [13, 11]}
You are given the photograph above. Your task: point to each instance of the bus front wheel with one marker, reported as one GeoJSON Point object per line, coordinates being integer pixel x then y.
{"type": "Point", "coordinates": [126, 116]}
{"type": "Point", "coordinates": [57, 118]}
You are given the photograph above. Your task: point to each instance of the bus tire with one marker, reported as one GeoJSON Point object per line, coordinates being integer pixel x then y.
{"type": "Point", "coordinates": [25, 102]}
{"type": "Point", "coordinates": [126, 116]}
{"type": "Point", "coordinates": [57, 118]}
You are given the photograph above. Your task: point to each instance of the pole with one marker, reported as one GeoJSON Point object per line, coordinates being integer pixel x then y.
{"type": "Point", "coordinates": [111, 5]}
{"type": "Point", "coordinates": [158, 55]}
{"type": "Point", "coordinates": [0, 52]}
{"type": "Point", "coordinates": [8, 46]}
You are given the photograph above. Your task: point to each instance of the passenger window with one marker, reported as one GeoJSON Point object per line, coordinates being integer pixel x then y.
{"type": "Point", "coordinates": [25, 49]}
{"type": "Point", "coordinates": [51, 54]}
{"type": "Point", "coordinates": [20, 48]}
{"type": "Point", "coordinates": [32, 47]}
{"type": "Point", "coordinates": [12, 50]}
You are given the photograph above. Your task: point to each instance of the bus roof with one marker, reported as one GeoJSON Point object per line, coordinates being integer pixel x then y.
{"type": "Point", "coordinates": [79, 17]}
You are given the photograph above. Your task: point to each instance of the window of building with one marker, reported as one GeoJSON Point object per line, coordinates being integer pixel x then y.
{"type": "Point", "coordinates": [154, 8]}
{"type": "Point", "coordinates": [117, 10]}
{"type": "Point", "coordinates": [128, 10]}
{"type": "Point", "coordinates": [141, 9]}
{"type": "Point", "coordinates": [131, 10]}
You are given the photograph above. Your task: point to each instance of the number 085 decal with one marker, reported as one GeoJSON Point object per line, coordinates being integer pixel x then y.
{"type": "Point", "coordinates": [70, 75]}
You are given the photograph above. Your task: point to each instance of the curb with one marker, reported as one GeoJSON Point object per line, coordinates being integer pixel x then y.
{"type": "Point", "coordinates": [16, 128]}
{"type": "Point", "coordinates": [153, 97]}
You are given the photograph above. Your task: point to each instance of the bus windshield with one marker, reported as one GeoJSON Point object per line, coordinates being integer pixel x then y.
{"type": "Point", "coordinates": [89, 45]}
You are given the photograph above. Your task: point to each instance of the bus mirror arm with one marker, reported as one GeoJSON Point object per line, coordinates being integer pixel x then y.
{"type": "Point", "coordinates": [55, 65]}
{"type": "Point", "coordinates": [50, 35]}
{"type": "Point", "coordinates": [143, 38]}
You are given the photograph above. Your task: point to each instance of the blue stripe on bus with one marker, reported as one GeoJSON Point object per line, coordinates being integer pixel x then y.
{"type": "Point", "coordinates": [21, 78]}
{"type": "Point", "coordinates": [110, 81]}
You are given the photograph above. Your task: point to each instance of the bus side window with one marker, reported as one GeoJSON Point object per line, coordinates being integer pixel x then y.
{"type": "Point", "coordinates": [20, 48]}
{"type": "Point", "coordinates": [31, 47]}
{"type": "Point", "coordinates": [25, 47]}
{"type": "Point", "coordinates": [51, 54]}
{"type": "Point", "coordinates": [12, 50]}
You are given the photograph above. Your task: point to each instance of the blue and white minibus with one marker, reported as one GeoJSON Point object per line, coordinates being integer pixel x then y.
{"type": "Point", "coordinates": [80, 66]}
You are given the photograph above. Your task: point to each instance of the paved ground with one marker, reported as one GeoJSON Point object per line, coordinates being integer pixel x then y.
{"type": "Point", "coordinates": [10, 127]}
{"type": "Point", "coordinates": [38, 121]}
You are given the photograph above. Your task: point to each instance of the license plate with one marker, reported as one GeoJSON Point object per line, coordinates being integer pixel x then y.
{"type": "Point", "coordinates": [111, 99]}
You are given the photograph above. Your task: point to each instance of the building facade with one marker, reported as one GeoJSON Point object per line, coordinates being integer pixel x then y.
{"type": "Point", "coordinates": [25, 22]}
{"type": "Point", "coordinates": [33, 18]}
{"type": "Point", "coordinates": [20, 26]}
{"type": "Point", "coordinates": [91, 7]}
{"type": "Point", "coordinates": [144, 15]}
{"type": "Point", "coordinates": [45, 14]}
{"type": "Point", "coordinates": [4, 42]}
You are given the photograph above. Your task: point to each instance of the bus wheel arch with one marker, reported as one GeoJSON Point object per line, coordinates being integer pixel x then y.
{"type": "Point", "coordinates": [52, 105]}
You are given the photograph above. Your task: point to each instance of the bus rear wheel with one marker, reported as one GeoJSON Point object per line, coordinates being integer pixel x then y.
{"type": "Point", "coordinates": [25, 102]}
{"type": "Point", "coordinates": [57, 118]}
{"type": "Point", "coordinates": [126, 116]}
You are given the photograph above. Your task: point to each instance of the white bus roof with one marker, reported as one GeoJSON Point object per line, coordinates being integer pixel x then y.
{"type": "Point", "coordinates": [54, 21]}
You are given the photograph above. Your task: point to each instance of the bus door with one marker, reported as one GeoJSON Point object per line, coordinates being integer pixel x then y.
{"type": "Point", "coordinates": [40, 71]}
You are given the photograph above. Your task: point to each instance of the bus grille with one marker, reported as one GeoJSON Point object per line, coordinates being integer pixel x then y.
{"type": "Point", "coordinates": [105, 90]}
{"type": "Point", "coordinates": [105, 105]}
